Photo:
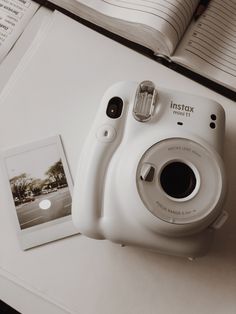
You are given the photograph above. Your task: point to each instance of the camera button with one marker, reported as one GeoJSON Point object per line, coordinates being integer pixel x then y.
{"type": "Point", "coordinates": [147, 172]}
{"type": "Point", "coordinates": [106, 133]}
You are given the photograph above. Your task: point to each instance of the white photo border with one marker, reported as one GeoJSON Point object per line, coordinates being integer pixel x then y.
{"type": "Point", "coordinates": [48, 231]}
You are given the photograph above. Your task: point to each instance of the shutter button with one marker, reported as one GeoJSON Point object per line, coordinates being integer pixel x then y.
{"type": "Point", "coordinates": [106, 133]}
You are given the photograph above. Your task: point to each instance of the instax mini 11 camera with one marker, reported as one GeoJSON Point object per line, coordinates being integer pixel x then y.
{"type": "Point", "coordinates": [151, 172]}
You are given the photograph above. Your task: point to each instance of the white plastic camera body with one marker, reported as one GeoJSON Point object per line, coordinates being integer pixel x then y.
{"type": "Point", "coordinates": [151, 172]}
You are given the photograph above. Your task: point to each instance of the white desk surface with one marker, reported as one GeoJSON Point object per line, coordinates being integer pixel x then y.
{"type": "Point", "coordinates": [81, 275]}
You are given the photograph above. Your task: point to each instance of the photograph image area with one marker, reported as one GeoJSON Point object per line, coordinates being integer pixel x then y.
{"type": "Point", "coordinates": [39, 185]}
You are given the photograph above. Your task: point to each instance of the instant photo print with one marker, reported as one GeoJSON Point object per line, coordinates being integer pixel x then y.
{"type": "Point", "coordinates": [40, 186]}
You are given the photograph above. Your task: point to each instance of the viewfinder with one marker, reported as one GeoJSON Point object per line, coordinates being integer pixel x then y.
{"type": "Point", "coordinates": [114, 108]}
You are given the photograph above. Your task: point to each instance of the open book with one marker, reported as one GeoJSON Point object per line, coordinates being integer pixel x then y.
{"type": "Point", "coordinates": [206, 46]}
{"type": "Point", "coordinates": [14, 17]}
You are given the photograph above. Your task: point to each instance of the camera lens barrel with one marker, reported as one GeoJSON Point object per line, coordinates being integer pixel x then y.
{"type": "Point", "coordinates": [179, 191]}
{"type": "Point", "coordinates": [178, 179]}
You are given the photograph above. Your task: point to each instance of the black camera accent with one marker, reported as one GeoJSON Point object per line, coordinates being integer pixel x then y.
{"type": "Point", "coordinates": [114, 107]}
{"type": "Point", "coordinates": [212, 125]}
{"type": "Point", "coordinates": [178, 180]}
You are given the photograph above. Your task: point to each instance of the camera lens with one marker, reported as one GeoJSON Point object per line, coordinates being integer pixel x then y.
{"type": "Point", "coordinates": [178, 180]}
{"type": "Point", "coordinates": [114, 108]}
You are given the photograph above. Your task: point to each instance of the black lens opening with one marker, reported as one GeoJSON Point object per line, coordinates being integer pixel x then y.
{"type": "Point", "coordinates": [114, 107]}
{"type": "Point", "coordinates": [178, 180]}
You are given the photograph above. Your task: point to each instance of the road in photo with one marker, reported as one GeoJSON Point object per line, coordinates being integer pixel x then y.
{"type": "Point", "coordinates": [33, 213]}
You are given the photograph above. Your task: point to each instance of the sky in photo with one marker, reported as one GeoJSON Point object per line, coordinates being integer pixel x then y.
{"type": "Point", "coordinates": [34, 162]}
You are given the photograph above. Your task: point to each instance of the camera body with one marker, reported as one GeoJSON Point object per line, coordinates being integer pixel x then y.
{"type": "Point", "coordinates": [151, 173]}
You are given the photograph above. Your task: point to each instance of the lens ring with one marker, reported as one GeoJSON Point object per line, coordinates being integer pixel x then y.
{"type": "Point", "coordinates": [208, 170]}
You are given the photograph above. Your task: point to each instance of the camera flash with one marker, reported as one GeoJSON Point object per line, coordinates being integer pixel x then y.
{"type": "Point", "coordinates": [145, 101]}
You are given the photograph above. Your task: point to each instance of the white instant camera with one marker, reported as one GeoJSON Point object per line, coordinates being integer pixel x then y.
{"type": "Point", "coordinates": [151, 172]}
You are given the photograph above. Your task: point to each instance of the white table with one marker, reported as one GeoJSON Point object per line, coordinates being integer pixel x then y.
{"type": "Point", "coordinates": [81, 275]}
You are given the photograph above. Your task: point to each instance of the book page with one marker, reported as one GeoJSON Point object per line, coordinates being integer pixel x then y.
{"type": "Point", "coordinates": [169, 18]}
{"type": "Point", "coordinates": [25, 47]}
{"type": "Point", "coordinates": [210, 46]}
{"type": "Point", "coordinates": [14, 16]}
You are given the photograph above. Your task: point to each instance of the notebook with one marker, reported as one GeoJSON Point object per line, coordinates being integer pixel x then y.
{"type": "Point", "coordinates": [14, 17]}
{"type": "Point", "coordinates": [168, 31]}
